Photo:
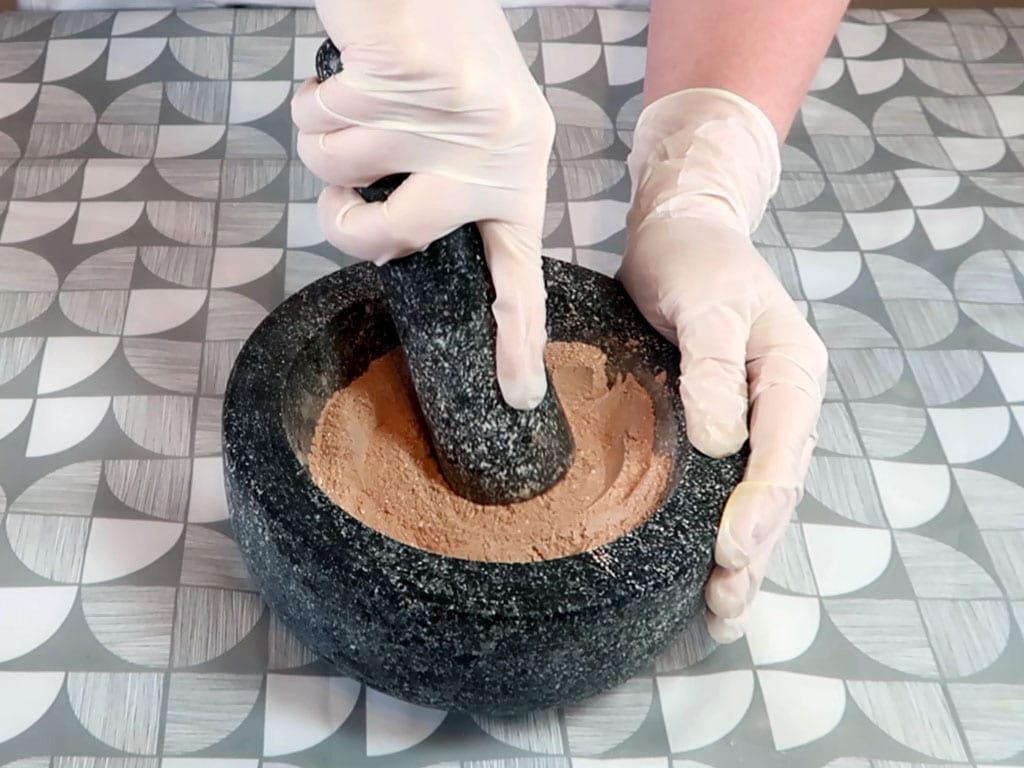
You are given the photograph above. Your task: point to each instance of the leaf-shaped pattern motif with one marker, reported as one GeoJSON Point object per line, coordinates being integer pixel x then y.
{"type": "Point", "coordinates": [60, 423]}
{"type": "Point", "coordinates": [889, 430]}
{"type": "Point", "coordinates": [66, 58]}
{"type": "Point", "coordinates": [866, 373]}
{"type": "Point", "coordinates": [130, 22]}
{"type": "Point", "coordinates": [155, 310]}
{"type": "Point", "coordinates": [990, 714]}
{"type": "Point", "coordinates": [203, 56]}
{"type": "Point", "coordinates": [801, 708]}
{"type": "Point", "coordinates": [936, 570]}
{"type": "Point", "coordinates": [140, 104]}
{"type": "Point", "coordinates": [845, 486]}
{"type": "Point", "coordinates": [538, 732]}
{"type": "Point", "coordinates": [68, 360]}
{"type": "Point", "coordinates": [781, 627]}
{"type": "Point", "coordinates": [107, 269]}
{"type": "Point", "coordinates": [129, 56]}
{"type": "Point", "coordinates": [35, 178]}
{"type": "Point", "coordinates": [210, 622]}
{"type": "Point", "coordinates": [107, 558]}
{"type": "Point", "coordinates": [155, 487]}
{"type": "Point", "coordinates": [172, 365]}
{"type": "Point", "coordinates": [945, 376]}
{"type": "Point", "coordinates": [931, 730]}
{"type": "Point", "coordinates": [186, 140]}
{"type": "Point", "coordinates": [701, 709]}
{"type": "Point", "coordinates": [205, 709]}
{"type": "Point", "coordinates": [836, 574]}
{"type": "Point", "coordinates": [912, 494]}
{"type": "Point", "coordinates": [71, 489]}
{"type": "Point", "coordinates": [245, 223]}
{"type": "Point", "coordinates": [183, 265]}
{"type": "Point", "coordinates": [302, 710]}
{"type": "Point", "coordinates": [967, 636]}
{"type": "Point", "coordinates": [25, 698]}
{"type": "Point", "coordinates": [875, 76]}
{"type": "Point", "coordinates": [29, 616]}
{"type": "Point", "coordinates": [994, 502]}
{"type": "Point", "coordinates": [393, 725]}
{"type": "Point", "coordinates": [969, 434]}
{"type": "Point", "coordinates": [121, 709]}
{"type": "Point", "coordinates": [16, 354]}
{"type": "Point", "coordinates": [255, 56]}
{"type": "Point", "coordinates": [564, 62]}
{"type": "Point", "coordinates": [133, 623]}
{"type": "Point", "coordinates": [608, 719]}
{"type": "Point", "coordinates": [159, 423]}
{"type": "Point", "coordinates": [887, 631]}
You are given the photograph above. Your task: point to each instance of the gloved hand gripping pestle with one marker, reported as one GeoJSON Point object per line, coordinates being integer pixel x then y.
{"type": "Point", "coordinates": [440, 302]}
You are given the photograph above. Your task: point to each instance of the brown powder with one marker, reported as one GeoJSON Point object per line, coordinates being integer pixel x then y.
{"type": "Point", "coordinates": [372, 457]}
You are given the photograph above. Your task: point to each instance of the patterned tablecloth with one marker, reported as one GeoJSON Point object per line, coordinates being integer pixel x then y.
{"type": "Point", "coordinates": [152, 211]}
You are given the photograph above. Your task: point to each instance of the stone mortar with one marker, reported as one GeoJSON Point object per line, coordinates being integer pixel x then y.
{"type": "Point", "coordinates": [497, 638]}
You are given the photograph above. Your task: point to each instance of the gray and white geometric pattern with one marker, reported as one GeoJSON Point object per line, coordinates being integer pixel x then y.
{"type": "Point", "coordinates": [153, 210]}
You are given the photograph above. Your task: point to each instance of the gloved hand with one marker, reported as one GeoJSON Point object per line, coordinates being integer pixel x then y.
{"type": "Point", "coordinates": [439, 90]}
{"type": "Point", "coordinates": [704, 164]}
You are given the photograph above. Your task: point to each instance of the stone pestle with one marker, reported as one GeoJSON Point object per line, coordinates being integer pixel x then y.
{"type": "Point", "coordinates": [440, 303]}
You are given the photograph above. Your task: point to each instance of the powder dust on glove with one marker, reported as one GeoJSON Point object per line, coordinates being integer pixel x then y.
{"type": "Point", "coordinates": [371, 455]}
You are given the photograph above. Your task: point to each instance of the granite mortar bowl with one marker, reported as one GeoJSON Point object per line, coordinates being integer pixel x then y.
{"type": "Point", "coordinates": [482, 637]}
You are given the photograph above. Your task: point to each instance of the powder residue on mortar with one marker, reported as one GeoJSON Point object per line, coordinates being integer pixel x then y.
{"type": "Point", "coordinates": [371, 455]}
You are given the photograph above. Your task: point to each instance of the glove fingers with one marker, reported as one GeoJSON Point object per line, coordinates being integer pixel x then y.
{"type": "Point", "coordinates": [785, 350]}
{"type": "Point", "coordinates": [726, 592]}
{"type": "Point", "coordinates": [713, 380]}
{"type": "Point", "coordinates": [726, 631]}
{"type": "Point", "coordinates": [729, 593]}
{"type": "Point", "coordinates": [786, 385]}
{"type": "Point", "coordinates": [353, 157]}
{"type": "Point", "coordinates": [751, 514]}
{"type": "Point", "coordinates": [406, 222]}
{"type": "Point", "coordinates": [513, 258]}
{"type": "Point", "coordinates": [782, 438]}
{"type": "Point", "coordinates": [639, 275]}
{"type": "Point", "coordinates": [787, 381]}
{"type": "Point", "coordinates": [309, 112]}
{"type": "Point", "coordinates": [335, 104]}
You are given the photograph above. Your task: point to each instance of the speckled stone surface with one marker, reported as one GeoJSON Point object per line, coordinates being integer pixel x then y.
{"type": "Point", "coordinates": [328, 60]}
{"type": "Point", "coordinates": [440, 301]}
{"type": "Point", "coordinates": [459, 634]}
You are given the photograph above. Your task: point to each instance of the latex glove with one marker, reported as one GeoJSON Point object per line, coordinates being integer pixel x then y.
{"type": "Point", "coordinates": [704, 164]}
{"type": "Point", "coordinates": [440, 90]}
